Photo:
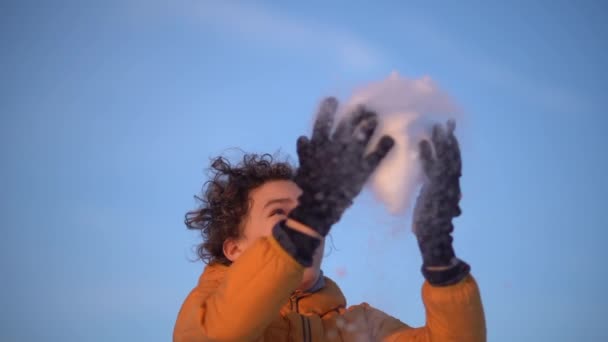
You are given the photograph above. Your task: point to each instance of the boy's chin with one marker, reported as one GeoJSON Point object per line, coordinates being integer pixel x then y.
{"type": "Point", "coordinates": [309, 278]}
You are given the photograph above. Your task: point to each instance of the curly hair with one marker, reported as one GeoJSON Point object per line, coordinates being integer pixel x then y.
{"type": "Point", "coordinates": [225, 200]}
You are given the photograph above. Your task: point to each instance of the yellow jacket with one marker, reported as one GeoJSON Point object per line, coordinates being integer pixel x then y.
{"type": "Point", "coordinates": [254, 300]}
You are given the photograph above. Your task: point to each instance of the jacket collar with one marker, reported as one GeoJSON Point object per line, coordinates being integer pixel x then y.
{"type": "Point", "coordinates": [325, 299]}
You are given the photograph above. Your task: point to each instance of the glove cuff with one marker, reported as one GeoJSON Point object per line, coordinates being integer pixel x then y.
{"type": "Point", "coordinates": [299, 245]}
{"type": "Point", "coordinates": [453, 275]}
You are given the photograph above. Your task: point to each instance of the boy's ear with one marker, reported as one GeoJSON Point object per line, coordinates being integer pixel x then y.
{"type": "Point", "coordinates": [232, 249]}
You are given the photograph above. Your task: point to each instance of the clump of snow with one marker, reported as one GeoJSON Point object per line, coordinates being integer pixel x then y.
{"type": "Point", "coordinates": [407, 108]}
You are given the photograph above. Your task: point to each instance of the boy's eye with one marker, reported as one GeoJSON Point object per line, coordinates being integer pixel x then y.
{"type": "Point", "coordinates": [278, 211]}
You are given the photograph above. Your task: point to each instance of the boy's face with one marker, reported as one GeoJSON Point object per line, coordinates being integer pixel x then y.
{"type": "Point", "coordinates": [270, 203]}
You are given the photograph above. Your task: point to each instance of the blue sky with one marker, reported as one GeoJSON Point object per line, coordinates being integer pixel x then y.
{"type": "Point", "coordinates": [110, 112]}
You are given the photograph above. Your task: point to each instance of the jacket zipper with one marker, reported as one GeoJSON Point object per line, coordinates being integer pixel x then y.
{"type": "Point", "coordinates": [304, 320]}
{"type": "Point", "coordinates": [294, 303]}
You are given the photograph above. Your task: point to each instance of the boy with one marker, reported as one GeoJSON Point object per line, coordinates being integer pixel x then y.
{"type": "Point", "coordinates": [264, 228]}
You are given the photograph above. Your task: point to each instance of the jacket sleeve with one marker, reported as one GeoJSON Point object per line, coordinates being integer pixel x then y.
{"type": "Point", "coordinates": [241, 305]}
{"type": "Point", "coordinates": [453, 314]}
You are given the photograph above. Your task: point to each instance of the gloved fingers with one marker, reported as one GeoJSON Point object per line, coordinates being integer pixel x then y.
{"type": "Point", "coordinates": [440, 140]}
{"type": "Point", "coordinates": [347, 125]}
{"type": "Point", "coordinates": [302, 146]}
{"type": "Point", "coordinates": [426, 157]}
{"type": "Point", "coordinates": [324, 120]}
{"type": "Point", "coordinates": [453, 150]}
{"type": "Point", "coordinates": [362, 135]}
{"type": "Point", "coordinates": [451, 124]}
{"type": "Point", "coordinates": [373, 159]}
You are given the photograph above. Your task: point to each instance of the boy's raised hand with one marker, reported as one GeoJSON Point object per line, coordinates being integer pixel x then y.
{"type": "Point", "coordinates": [438, 204]}
{"type": "Point", "coordinates": [333, 166]}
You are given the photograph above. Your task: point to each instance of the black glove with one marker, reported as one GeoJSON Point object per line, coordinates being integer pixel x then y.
{"type": "Point", "coordinates": [334, 167]}
{"type": "Point", "coordinates": [437, 205]}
